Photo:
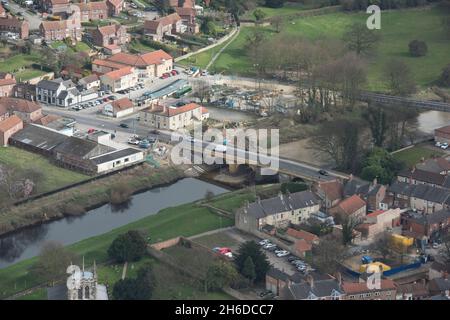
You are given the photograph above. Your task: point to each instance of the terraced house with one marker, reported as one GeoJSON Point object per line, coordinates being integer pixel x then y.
{"type": "Point", "coordinates": [278, 211]}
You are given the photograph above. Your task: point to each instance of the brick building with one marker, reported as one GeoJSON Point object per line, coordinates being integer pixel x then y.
{"type": "Point", "coordinates": [113, 34]}
{"type": "Point", "coordinates": [8, 127]}
{"type": "Point", "coordinates": [14, 25]}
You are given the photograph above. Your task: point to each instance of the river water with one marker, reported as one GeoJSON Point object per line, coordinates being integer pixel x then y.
{"type": "Point", "coordinates": [430, 120]}
{"type": "Point", "coordinates": [27, 243]}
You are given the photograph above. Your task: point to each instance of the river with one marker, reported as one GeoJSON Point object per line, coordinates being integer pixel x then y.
{"type": "Point", "coordinates": [27, 243]}
{"type": "Point", "coordinates": [430, 120]}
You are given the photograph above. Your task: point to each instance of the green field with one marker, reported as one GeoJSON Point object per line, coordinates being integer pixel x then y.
{"type": "Point", "coordinates": [413, 155]}
{"type": "Point", "coordinates": [185, 220]}
{"type": "Point", "coordinates": [28, 74]}
{"type": "Point", "coordinates": [53, 177]}
{"type": "Point", "coordinates": [398, 28]}
{"type": "Point", "coordinates": [78, 47]}
{"type": "Point", "coordinates": [18, 61]}
{"type": "Point", "coordinates": [287, 9]}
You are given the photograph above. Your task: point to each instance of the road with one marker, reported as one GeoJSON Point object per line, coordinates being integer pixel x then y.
{"type": "Point", "coordinates": [33, 19]}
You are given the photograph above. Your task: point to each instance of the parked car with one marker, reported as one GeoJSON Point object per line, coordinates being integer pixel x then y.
{"type": "Point", "coordinates": [273, 248]}
{"type": "Point", "coordinates": [124, 125]}
{"type": "Point", "coordinates": [444, 146]}
{"type": "Point", "coordinates": [164, 76]}
{"type": "Point", "coordinates": [438, 144]}
{"type": "Point", "coordinates": [282, 253]}
{"type": "Point", "coordinates": [112, 98]}
{"type": "Point", "coordinates": [269, 245]}
{"type": "Point", "coordinates": [264, 242]}
{"type": "Point", "coordinates": [91, 131]}
{"type": "Point", "coordinates": [174, 72]}
{"type": "Point", "coordinates": [265, 293]}
{"type": "Point", "coordinates": [291, 258]}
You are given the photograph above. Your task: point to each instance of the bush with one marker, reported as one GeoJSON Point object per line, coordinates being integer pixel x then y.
{"type": "Point", "coordinates": [293, 187]}
{"type": "Point", "coordinates": [418, 48]}
{"type": "Point", "coordinates": [120, 193]}
{"type": "Point", "coordinates": [130, 246]}
{"type": "Point", "coordinates": [73, 209]}
{"type": "Point", "coordinates": [444, 80]}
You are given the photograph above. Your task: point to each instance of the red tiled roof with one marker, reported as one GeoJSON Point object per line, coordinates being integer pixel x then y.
{"type": "Point", "coordinates": [90, 6]}
{"type": "Point", "coordinates": [302, 246]}
{"type": "Point", "coordinates": [122, 104]}
{"type": "Point", "coordinates": [445, 130]}
{"type": "Point", "coordinates": [150, 58]}
{"type": "Point", "coordinates": [53, 2]}
{"type": "Point", "coordinates": [9, 123]}
{"type": "Point", "coordinates": [12, 22]}
{"type": "Point", "coordinates": [183, 11]}
{"type": "Point", "coordinates": [107, 63]}
{"type": "Point", "coordinates": [54, 25]}
{"type": "Point", "coordinates": [20, 105]}
{"type": "Point", "coordinates": [109, 29]}
{"type": "Point", "coordinates": [375, 213]}
{"type": "Point", "coordinates": [357, 287]}
{"type": "Point", "coordinates": [351, 205]}
{"type": "Point", "coordinates": [119, 73]}
{"type": "Point", "coordinates": [332, 189]}
{"type": "Point", "coordinates": [301, 234]}
{"type": "Point", "coordinates": [170, 112]}
{"type": "Point", "coordinates": [7, 82]}
{"type": "Point", "coordinates": [45, 120]}
{"type": "Point", "coordinates": [164, 21]}
{"type": "Point", "coordinates": [204, 110]}
{"type": "Point", "coordinates": [116, 3]}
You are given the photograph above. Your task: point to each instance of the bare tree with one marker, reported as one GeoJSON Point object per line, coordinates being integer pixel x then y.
{"type": "Point", "coordinates": [360, 39]}
{"type": "Point", "coordinates": [52, 262]}
{"type": "Point", "coordinates": [399, 77]}
{"type": "Point", "coordinates": [277, 23]}
{"type": "Point", "coordinates": [327, 255]}
{"type": "Point", "coordinates": [202, 90]}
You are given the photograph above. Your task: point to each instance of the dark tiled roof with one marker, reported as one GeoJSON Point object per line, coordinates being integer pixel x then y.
{"type": "Point", "coordinates": [425, 176]}
{"type": "Point", "coordinates": [355, 186]}
{"type": "Point", "coordinates": [420, 191]}
{"type": "Point", "coordinates": [433, 218]}
{"type": "Point", "coordinates": [115, 155]}
{"type": "Point", "coordinates": [282, 203]}
{"type": "Point", "coordinates": [277, 274]}
{"type": "Point", "coordinates": [39, 137]}
{"type": "Point", "coordinates": [81, 148]}
{"type": "Point", "coordinates": [439, 284]}
{"type": "Point", "coordinates": [48, 85]}
{"type": "Point", "coordinates": [321, 288]}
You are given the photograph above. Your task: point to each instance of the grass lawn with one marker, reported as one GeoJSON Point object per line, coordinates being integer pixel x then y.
{"type": "Point", "coordinates": [53, 177]}
{"type": "Point", "coordinates": [18, 61]}
{"type": "Point", "coordinates": [185, 220]}
{"type": "Point", "coordinates": [398, 28]}
{"type": "Point", "coordinates": [39, 294]}
{"type": "Point", "coordinates": [221, 239]}
{"type": "Point", "coordinates": [287, 9]}
{"type": "Point", "coordinates": [79, 47]}
{"type": "Point", "coordinates": [139, 46]}
{"type": "Point", "coordinates": [413, 155]}
{"type": "Point", "coordinates": [28, 74]}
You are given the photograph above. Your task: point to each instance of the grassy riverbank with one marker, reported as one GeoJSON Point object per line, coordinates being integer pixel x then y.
{"type": "Point", "coordinates": [91, 194]}
{"type": "Point", "coordinates": [185, 220]}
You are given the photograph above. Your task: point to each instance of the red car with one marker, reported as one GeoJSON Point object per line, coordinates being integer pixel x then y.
{"type": "Point", "coordinates": [91, 131]}
{"type": "Point", "coordinates": [174, 72]}
{"type": "Point", "coordinates": [165, 76]}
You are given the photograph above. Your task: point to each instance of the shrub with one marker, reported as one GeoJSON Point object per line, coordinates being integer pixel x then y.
{"type": "Point", "coordinates": [120, 193]}
{"type": "Point", "coordinates": [418, 48]}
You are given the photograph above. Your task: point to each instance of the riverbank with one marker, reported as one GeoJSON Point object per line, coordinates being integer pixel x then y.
{"type": "Point", "coordinates": [76, 201]}
{"type": "Point", "coordinates": [184, 220]}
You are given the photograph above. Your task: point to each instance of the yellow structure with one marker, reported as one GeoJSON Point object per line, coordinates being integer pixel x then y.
{"type": "Point", "coordinates": [401, 242]}
{"type": "Point", "coordinates": [374, 267]}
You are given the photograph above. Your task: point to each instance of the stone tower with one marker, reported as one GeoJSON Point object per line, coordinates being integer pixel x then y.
{"type": "Point", "coordinates": [82, 285]}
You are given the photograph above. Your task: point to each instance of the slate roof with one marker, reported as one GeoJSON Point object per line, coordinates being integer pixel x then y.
{"type": "Point", "coordinates": [420, 191]}
{"type": "Point", "coordinates": [39, 137]}
{"type": "Point", "coordinates": [436, 217]}
{"type": "Point", "coordinates": [282, 203]}
{"type": "Point", "coordinates": [425, 176]}
{"type": "Point", "coordinates": [355, 187]}
{"type": "Point", "coordinates": [115, 155]}
{"type": "Point", "coordinates": [321, 289]}
{"type": "Point", "coordinates": [439, 284]}
{"type": "Point", "coordinates": [48, 85]}
{"type": "Point", "coordinates": [81, 148]}
{"type": "Point", "coordinates": [277, 274]}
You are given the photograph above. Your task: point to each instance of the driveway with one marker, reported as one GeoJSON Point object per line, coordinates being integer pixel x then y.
{"type": "Point", "coordinates": [33, 19]}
